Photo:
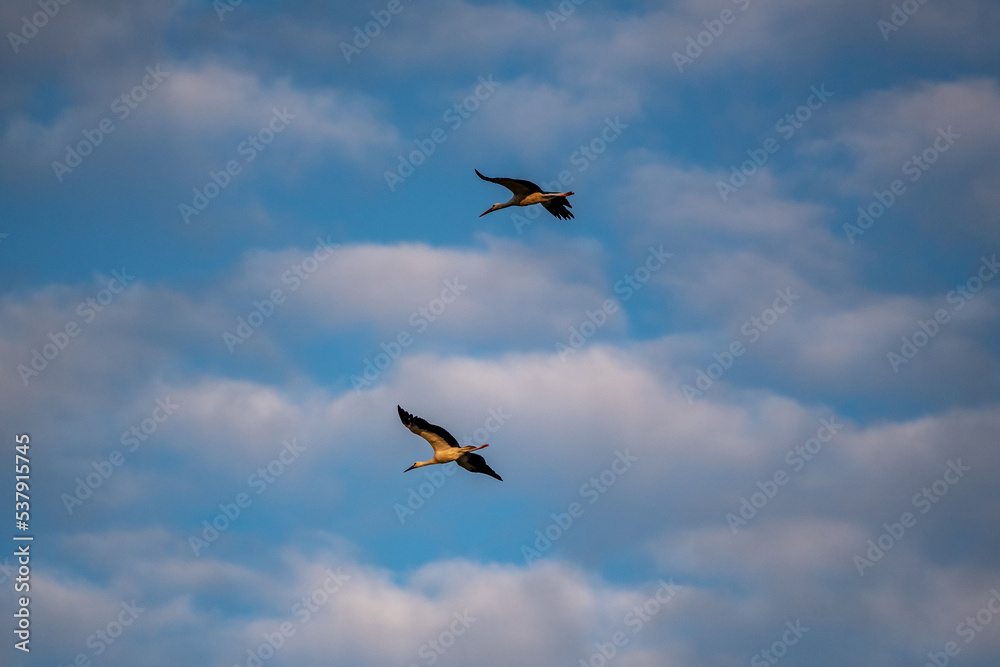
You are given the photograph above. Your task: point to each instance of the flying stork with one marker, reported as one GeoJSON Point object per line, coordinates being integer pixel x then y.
{"type": "Point", "coordinates": [527, 193]}
{"type": "Point", "coordinates": [446, 448]}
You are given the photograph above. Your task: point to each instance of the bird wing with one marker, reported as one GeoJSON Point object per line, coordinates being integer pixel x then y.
{"type": "Point", "coordinates": [519, 187]}
{"type": "Point", "coordinates": [439, 438]}
{"type": "Point", "coordinates": [559, 207]}
{"type": "Point", "coordinates": [476, 463]}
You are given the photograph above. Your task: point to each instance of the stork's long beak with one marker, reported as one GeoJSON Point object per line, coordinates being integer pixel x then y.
{"type": "Point", "coordinates": [489, 210]}
{"type": "Point", "coordinates": [410, 468]}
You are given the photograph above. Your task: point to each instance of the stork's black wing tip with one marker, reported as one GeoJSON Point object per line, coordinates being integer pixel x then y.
{"type": "Point", "coordinates": [558, 208]}
{"type": "Point", "coordinates": [476, 463]}
{"type": "Point", "coordinates": [486, 470]}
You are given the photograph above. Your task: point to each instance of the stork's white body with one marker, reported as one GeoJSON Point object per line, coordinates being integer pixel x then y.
{"type": "Point", "coordinates": [535, 198]}
{"type": "Point", "coordinates": [446, 455]}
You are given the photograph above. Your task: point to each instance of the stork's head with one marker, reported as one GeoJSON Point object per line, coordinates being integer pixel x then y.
{"type": "Point", "coordinates": [491, 209]}
{"type": "Point", "coordinates": [417, 464]}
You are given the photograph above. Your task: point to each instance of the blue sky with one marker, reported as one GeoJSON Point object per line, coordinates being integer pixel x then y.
{"type": "Point", "coordinates": [744, 404]}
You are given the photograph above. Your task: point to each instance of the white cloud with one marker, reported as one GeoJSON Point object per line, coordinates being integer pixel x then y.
{"type": "Point", "coordinates": [687, 202]}
{"type": "Point", "coordinates": [764, 553]}
{"type": "Point", "coordinates": [538, 118]}
{"type": "Point", "coordinates": [216, 98]}
{"type": "Point", "coordinates": [209, 111]}
{"type": "Point", "coordinates": [493, 350]}
{"type": "Point", "coordinates": [505, 291]}
{"type": "Point", "coordinates": [886, 128]}
{"type": "Point", "coordinates": [470, 611]}
{"type": "Point", "coordinates": [938, 139]}
{"type": "Point", "coordinates": [848, 348]}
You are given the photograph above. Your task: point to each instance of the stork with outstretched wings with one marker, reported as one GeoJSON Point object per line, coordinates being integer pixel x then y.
{"type": "Point", "coordinates": [446, 448]}
{"type": "Point", "coordinates": [527, 193]}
